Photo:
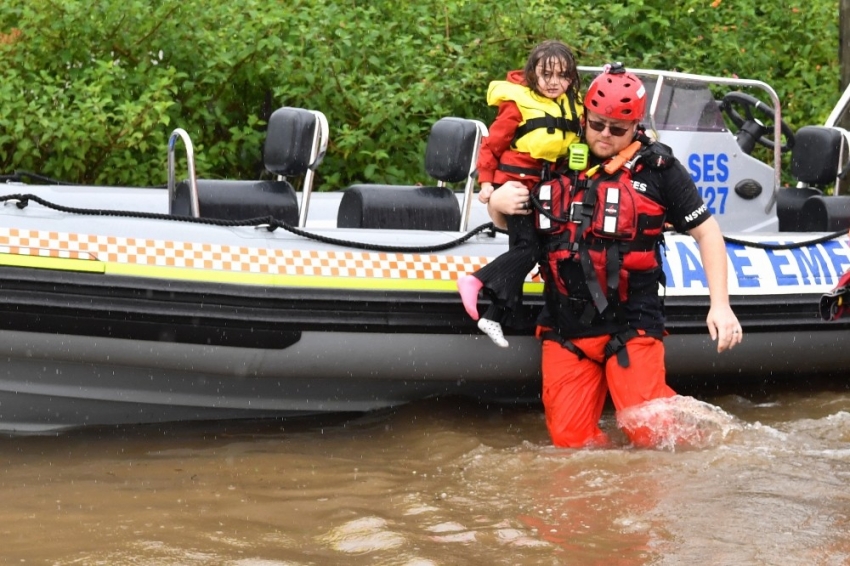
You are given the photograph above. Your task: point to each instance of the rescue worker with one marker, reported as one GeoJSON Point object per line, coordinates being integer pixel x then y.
{"type": "Point", "coordinates": [603, 321]}
{"type": "Point", "coordinates": [537, 121]}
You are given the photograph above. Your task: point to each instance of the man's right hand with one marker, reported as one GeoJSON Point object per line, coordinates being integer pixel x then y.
{"type": "Point", "coordinates": [511, 198]}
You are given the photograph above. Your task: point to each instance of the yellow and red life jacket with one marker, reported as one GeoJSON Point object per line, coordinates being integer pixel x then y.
{"type": "Point", "coordinates": [548, 126]}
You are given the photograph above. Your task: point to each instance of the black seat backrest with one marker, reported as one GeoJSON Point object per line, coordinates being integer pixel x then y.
{"type": "Point", "coordinates": [452, 147]}
{"type": "Point", "coordinates": [816, 155]}
{"type": "Point", "coordinates": [289, 141]}
{"type": "Point", "coordinates": [450, 157]}
{"type": "Point", "coordinates": [287, 153]}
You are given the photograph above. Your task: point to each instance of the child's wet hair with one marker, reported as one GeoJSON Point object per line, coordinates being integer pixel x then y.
{"type": "Point", "coordinates": [548, 52]}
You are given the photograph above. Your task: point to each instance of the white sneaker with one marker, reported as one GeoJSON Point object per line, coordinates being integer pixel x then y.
{"type": "Point", "coordinates": [494, 330]}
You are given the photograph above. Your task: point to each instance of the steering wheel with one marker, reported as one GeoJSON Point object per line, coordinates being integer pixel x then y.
{"type": "Point", "coordinates": [750, 130]}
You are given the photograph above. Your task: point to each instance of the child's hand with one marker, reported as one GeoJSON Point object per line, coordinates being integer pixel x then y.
{"type": "Point", "coordinates": [485, 192]}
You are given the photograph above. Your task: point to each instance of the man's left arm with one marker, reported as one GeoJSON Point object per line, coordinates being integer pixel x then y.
{"type": "Point", "coordinates": [723, 325]}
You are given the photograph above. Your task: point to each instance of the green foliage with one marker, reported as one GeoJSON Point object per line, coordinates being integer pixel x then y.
{"type": "Point", "coordinates": [92, 90]}
{"type": "Point", "coordinates": [791, 45]}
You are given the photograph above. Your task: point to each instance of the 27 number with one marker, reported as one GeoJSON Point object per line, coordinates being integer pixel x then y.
{"type": "Point", "coordinates": [715, 198]}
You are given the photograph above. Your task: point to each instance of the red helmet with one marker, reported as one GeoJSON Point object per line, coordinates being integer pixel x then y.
{"type": "Point", "coordinates": [616, 94]}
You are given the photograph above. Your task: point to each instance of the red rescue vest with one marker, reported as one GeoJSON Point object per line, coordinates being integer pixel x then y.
{"type": "Point", "coordinates": [600, 220]}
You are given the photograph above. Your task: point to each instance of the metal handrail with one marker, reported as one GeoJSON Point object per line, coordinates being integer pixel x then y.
{"type": "Point", "coordinates": [840, 107]}
{"type": "Point", "coordinates": [193, 181]}
{"type": "Point", "coordinates": [317, 154]}
{"type": "Point", "coordinates": [469, 188]}
{"type": "Point", "coordinates": [708, 79]}
{"type": "Point", "coordinates": [842, 150]}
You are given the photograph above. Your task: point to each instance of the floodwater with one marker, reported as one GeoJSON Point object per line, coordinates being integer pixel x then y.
{"type": "Point", "coordinates": [763, 479]}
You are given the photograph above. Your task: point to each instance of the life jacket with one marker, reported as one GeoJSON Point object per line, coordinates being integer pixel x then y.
{"type": "Point", "coordinates": [597, 218]}
{"type": "Point", "coordinates": [547, 128]}
{"type": "Point", "coordinates": [836, 303]}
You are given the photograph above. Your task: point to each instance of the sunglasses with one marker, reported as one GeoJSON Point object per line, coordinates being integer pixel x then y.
{"type": "Point", "coordinates": [616, 131]}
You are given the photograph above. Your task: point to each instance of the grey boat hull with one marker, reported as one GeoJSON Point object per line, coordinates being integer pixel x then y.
{"type": "Point", "coordinates": [50, 382]}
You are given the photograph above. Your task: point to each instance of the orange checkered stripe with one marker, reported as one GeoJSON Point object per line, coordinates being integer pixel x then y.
{"type": "Point", "coordinates": [112, 249]}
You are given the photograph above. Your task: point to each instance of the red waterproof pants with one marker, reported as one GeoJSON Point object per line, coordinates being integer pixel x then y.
{"type": "Point", "coordinates": [574, 390]}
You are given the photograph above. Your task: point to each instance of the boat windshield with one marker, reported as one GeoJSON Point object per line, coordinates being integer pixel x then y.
{"type": "Point", "coordinates": [684, 105]}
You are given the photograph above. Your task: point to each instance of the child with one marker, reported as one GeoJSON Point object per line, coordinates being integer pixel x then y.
{"type": "Point", "coordinates": [537, 120]}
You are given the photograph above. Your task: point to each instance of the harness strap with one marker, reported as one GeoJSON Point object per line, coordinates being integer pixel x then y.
{"type": "Point", "coordinates": [521, 170]}
{"type": "Point", "coordinates": [616, 346]}
{"type": "Point", "coordinates": [651, 222]}
{"type": "Point", "coordinates": [613, 260]}
{"type": "Point", "coordinates": [599, 296]}
{"type": "Point", "coordinates": [555, 337]}
{"type": "Point", "coordinates": [641, 243]}
{"type": "Point", "coordinates": [551, 123]}
{"type": "Point", "coordinates": [587, 314]}
{"type": "Point", "coordinates": [555, 257]}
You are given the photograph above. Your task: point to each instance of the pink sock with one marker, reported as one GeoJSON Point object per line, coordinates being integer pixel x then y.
{"type": "Point", "coordinates": [468, 287]}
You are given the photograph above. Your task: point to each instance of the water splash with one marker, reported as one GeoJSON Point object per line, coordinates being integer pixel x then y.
{"type": "Point", "coordinates": [363, 535]}
{"type": "Point", "coordinates": [677, 423]}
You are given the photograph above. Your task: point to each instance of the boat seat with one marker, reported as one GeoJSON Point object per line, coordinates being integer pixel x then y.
{"type": "Point", "coordinates": [450, 157]}
{"type": "Point", "coordinates": [822, 213]}
{"type": "Point", "coordinates": [815, 163]}
{"type": "Point", "coordinates": [288, 152]}
{"type": "Point", "coordinates": [225, 199]}
{"type": "Point", "coordinates": [789, 206]}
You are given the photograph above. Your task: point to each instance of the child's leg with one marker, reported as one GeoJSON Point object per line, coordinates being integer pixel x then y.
{"type": "Point", "coordinates": [468, 286]}
{"type": "Point", "coordinates": [504, 276]}
{"type": "Point", "coordinates": [497, 312]}
{"type": "Point", "coordinates": [491, 324]}
{"type": "Point", "coordinates": [494, 330]}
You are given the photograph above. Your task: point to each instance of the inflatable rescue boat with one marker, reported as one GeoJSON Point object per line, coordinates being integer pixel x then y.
{"type": "Point", "coordinates": [222, 299]}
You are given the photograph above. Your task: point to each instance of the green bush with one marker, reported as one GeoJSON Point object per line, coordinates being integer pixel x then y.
{"type": "Point", "coordinates": [92, 90]}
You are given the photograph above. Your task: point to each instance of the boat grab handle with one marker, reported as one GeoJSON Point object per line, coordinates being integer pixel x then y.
{"type": "Point", "coordinates": [317, 154]}
{"type": "Point", "coordinates": [193, 180]}
{"type": "Point", "coordinates": [481, 131]}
